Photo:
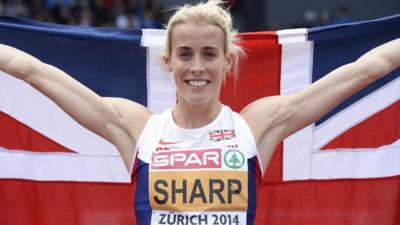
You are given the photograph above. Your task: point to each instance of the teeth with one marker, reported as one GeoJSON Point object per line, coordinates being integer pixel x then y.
{"type": "Point", "coordinates": [197, 83]}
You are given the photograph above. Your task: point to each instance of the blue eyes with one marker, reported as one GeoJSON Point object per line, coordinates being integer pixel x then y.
{"type": "Point", "coordinates": [210, 55]}
{"type": "Point", "coordinates": [188, 55]}
{"type": "Point", "coordinates": [184, 55]}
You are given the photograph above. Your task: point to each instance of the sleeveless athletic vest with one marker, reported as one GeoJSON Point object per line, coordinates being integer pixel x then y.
{"type": "Point", "coordinates": [199, 176]}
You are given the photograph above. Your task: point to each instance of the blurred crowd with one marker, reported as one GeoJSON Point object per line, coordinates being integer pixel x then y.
{"type": "Point", "coordinates": [101, 13]}
{"type": "Point", "coordinates": [143, 13]}
{"type": "Point", "coordinates": [314, 18]}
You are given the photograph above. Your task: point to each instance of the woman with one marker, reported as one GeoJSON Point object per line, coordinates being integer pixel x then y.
{"type": "Point", "coordinates": [196, 163]}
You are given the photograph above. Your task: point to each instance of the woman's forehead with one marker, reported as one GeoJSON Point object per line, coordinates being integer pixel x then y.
{"type": "Point", "coordinates": [196, 35]}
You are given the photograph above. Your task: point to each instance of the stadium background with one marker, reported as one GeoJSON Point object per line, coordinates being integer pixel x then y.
{"type": "Point", "coordinates": [254, 15]}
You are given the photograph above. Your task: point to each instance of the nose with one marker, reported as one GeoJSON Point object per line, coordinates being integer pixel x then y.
{"type": "Point", "coordinates": [197, 66]}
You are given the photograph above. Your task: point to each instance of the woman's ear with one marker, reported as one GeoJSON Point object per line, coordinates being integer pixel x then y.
{"type": "Point", "coordinates": [228, 63]}
{"type": "Point", "coordinates": [167, 64]}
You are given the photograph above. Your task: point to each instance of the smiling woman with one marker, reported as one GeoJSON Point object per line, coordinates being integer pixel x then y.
{"type": "Point", "coordinates": [200, 50]}
{"type": "Point", "coordinates": [198, 162]}
{"type": "Point", "coordinates": [199, 64]}
{"type": "Point", "coordinates": [208, 14]}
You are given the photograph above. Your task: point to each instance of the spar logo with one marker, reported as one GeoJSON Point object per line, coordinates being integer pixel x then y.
{"type": "Point", "coordinates": [234, 159]}
{"type": "Point", "coordinates": [187, 159]}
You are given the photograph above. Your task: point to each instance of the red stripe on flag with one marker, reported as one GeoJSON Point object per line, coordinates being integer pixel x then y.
{"type": "Point", "coordinates": [16, 135]}
{"type": "Point", "coordinates": [334, 202]}
{"type": "Point", "coordinates": [378, 130]}
{"type": "Point", "coordinates": [25, 202]}
{"type": "Point", "coordinates": [259, 72]}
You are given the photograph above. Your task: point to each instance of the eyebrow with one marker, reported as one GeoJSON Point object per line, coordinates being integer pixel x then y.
{"type": "Point", "coordinates": [183, 48]}
{"type": "Point", "coordinates": [211, 48]}
{"type": "Point", "coordinates": [189, 48]}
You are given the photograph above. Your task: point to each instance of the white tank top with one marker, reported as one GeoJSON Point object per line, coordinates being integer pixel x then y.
{"type": "Point", "coordinates": [196, 176]}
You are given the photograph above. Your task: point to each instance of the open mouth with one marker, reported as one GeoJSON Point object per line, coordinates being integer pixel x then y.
{"type": "Point", "coordinates": [197, 83]}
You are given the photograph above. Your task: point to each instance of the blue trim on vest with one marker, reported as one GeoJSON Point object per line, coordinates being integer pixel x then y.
{"type": "Point", "coordinates": [142, 204]}
{"type": "Point", "coordinates": [252, 194]}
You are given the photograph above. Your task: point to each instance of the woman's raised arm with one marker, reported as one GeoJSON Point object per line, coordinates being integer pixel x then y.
{"type": "Point", "coordinates": [284, 115]}
{"type": "Point", "coordinates": [117, 120]}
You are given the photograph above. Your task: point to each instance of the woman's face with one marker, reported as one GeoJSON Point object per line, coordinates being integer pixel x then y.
{"type": "Point", "coordinates": [198, 62]}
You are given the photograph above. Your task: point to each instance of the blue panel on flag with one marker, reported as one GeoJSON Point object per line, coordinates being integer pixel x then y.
{"type": "Point", "coordinates": [107, 60]}
{"type": "Point", "coordinates": [340, 44]}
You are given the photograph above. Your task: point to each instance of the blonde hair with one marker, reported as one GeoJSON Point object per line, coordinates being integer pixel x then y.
{"type": "Point", "coordinates": [210, 12]}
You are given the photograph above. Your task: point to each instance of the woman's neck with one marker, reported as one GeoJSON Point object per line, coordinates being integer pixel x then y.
{"type": "Point", "coordinates": [194, 116]}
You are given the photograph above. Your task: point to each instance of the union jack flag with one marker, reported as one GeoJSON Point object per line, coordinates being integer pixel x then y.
{"type": "Point", "coordinates": [220, 135]}
{"type": "Point", "coordinates": [47, 159]}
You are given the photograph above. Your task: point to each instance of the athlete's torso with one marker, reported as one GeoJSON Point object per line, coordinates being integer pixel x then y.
{"type": "Point", "coordinates": [197, 176]}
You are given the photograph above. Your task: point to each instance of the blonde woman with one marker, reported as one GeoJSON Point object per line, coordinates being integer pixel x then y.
{"type": "Point", "coordinates": [197, 162]}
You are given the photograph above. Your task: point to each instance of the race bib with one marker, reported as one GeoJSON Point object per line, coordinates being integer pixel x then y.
{"type": "Point", "coordinates": [198, 186]}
